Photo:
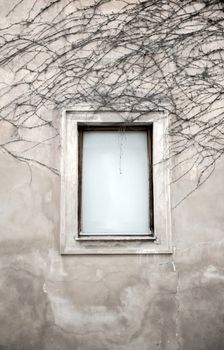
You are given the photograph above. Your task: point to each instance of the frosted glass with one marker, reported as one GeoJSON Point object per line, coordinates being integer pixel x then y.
{"type": "Point", "coordinates": [115, 182]}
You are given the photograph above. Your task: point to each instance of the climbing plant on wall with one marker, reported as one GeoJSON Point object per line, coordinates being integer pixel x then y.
{"type": "Point", "coordinates": [132, 55]}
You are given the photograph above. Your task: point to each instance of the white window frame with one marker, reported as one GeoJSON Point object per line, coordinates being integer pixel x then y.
{"type": "Point", "coordinates": [70, 241]}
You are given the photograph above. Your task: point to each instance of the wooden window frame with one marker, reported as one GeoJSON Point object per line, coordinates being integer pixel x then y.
{"type": "Point", "coordinates": [118, 128]}
{"type": "Point", "coordinates": [70, 242]}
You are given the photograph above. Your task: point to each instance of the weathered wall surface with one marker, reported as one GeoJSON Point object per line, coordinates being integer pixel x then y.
{"type": "Point", "coordinates": [49, 301]}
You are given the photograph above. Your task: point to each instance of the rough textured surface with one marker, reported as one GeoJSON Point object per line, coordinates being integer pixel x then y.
{"type": "Point", "coordinates": [50, 302]}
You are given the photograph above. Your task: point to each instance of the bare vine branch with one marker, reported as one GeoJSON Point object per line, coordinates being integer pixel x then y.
{"type": "Point", "coordinates": [132, 55]}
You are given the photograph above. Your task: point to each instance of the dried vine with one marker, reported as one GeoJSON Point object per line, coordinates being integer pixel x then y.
{"type": "Point", "coordinates": [146, 55]}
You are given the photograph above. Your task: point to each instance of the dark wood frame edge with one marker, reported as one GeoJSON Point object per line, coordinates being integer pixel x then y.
{"type": "Point", "coordinates": [116, 127]}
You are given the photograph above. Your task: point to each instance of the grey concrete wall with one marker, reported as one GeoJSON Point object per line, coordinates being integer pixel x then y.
{"type": "Point", "coordinates": [49, 301]}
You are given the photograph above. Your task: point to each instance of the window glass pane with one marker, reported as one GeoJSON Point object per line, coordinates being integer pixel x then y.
{"type": "Point", "coordinates": [115, 184]}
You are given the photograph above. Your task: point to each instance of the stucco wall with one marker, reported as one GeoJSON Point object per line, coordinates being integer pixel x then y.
{"type": "Point", "coordinates": [49, 301]}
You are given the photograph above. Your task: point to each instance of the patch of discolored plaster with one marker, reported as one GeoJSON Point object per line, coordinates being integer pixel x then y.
{"type": "Point", "coordinates": [24, 311]}
{"type": "Point", "coordinates": [212, 272]}
{"type": "Point", "coordinates": [138, 311]}
{"type": "Point", "coordinates": [200, 296]}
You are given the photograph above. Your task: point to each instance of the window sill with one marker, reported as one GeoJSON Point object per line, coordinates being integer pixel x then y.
{"type": "Point", "coordinates": [101, 237]}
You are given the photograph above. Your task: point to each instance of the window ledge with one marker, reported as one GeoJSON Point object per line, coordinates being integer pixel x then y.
{"type": "Point", "coordinates": [114, 238]}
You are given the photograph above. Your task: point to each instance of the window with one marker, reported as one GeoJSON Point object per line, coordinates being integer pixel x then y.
{"type": "Point", "coordinates": [114, 183]}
